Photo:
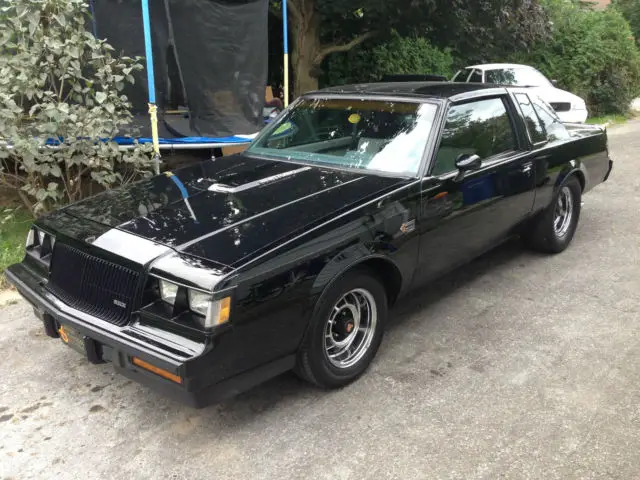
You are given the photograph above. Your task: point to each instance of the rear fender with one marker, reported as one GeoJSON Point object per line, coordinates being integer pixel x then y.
{"type": "Point", "coordinates": [572, 168]}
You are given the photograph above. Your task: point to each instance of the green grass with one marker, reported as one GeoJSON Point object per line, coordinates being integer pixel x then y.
{"type": "Point", "coordinates": [13, 234]}
{"type": "Point", "coordinates": [610, 119]}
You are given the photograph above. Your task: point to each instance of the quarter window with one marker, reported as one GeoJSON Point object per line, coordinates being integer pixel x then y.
{"type": "Point", "coordinates": [478, 128]}
{"type": "Point", "coordinates": [461, 76]}
{"type": "Point", "coordinates": [554, 127]}
{"type": "Point", "coordinates": [476, 77]}
{"type": "Point", "coordinates": [535, 127]}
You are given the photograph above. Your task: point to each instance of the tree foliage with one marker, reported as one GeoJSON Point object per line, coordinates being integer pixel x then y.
{"type": "Point", "coordinates": [590, 53]}
{"type": "Point", "coordinates": [399, 55]}
{"type": "Point", "coordinates": [481, 31]}
{"type": "Point", "coordinates": [474, 30]}
{"type": "Point", "coordinates": [58, 81]}
{"type": "Point", "coordinates": [630, 9]}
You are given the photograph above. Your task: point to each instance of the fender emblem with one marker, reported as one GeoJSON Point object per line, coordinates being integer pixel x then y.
{"type": "Point", "coordinates": [408, 227]}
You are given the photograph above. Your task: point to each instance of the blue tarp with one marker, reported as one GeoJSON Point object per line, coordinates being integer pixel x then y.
{"type": "Point", "coordinates": [172, 141]}
{"type": "Point", "coordinates": [184, 140]}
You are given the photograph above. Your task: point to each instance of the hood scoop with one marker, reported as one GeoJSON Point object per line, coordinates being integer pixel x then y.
{"type": "Point", "coordinates": [222, 188]}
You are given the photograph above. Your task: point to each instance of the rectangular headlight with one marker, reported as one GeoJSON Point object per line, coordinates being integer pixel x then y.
{"type": "Point", "coordinates": [215, 312]}
{"type": "Point", "coordinates": [168, 291]}
{"type": "Point", "coordinates": [199, 302]}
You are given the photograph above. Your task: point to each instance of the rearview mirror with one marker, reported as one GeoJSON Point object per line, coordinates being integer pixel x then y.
{"type": "Point", "coordinates": [466, 162]}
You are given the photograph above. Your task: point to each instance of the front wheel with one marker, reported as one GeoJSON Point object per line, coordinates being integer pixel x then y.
{"type": "Point", "coordinates": [345, 331]}
{"type": "Point", "coordinates": [555, 228]}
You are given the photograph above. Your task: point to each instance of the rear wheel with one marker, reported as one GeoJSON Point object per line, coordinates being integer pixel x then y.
{"type": "Point", "coordinates": [345, 331]}
{"type": "Point", "coordinates": [553, 231]}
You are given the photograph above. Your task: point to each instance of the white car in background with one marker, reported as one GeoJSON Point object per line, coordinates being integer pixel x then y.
{"type": "Point", "coordinates": [569, 107]}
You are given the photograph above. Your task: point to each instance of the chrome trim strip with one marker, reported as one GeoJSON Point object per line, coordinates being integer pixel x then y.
{"type": "Point", "coordinates": [221, 188]}
{"type": "Point", "coordinates": [132, 247]}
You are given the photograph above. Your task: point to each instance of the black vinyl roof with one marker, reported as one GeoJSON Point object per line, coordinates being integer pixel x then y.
{"type": "Point", "coordinates": [427, 89]}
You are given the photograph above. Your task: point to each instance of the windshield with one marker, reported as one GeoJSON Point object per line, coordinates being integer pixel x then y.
{"type": "Point", "coordinates": [517, 76]}
{"type": "Point", "coordinates": [371, 135]}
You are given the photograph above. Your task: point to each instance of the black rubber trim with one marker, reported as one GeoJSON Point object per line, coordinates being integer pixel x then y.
{"type": "Point", "coordinates": [606, 177]}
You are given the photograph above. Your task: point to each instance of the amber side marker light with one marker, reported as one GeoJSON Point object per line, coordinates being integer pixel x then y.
{"type": "Point", "coordinates": [225, 311]}
{"type": "Point", "coordinates": [158, 371]}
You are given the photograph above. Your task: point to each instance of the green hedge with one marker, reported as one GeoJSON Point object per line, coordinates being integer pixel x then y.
{"type": "Point", "coordinates": [592, 54]}
{"type": "Point", "coordinates": [630, 9]}
{"type": "Point", "coordinates": [399, 55]}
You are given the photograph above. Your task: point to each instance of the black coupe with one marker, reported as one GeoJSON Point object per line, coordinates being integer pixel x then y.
{"type": "Point", "coordinates": [205, 281]}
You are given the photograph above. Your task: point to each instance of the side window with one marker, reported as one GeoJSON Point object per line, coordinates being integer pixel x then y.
{"type": "Point", "coordinates": [554, 127]}
{"type": "Point", "coordinates": [458, 76]}
{"type": "Point", "coordinates": [476, 77]}
{"type": "Point", "coordinates": [481, 127]}
{"type": "Point", "coordinates": [461, 76]}
{"type": "Point", "coordinates": [535, 127]}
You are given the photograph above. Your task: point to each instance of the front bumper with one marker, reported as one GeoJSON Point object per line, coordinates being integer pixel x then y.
{"type": "Point", "coordinates": [108, 343]}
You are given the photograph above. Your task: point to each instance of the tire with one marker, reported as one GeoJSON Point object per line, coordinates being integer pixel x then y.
{"type": "Point", "coordinates": [552, 232]}
{"type": "Point", "coordinates": [337, 303]}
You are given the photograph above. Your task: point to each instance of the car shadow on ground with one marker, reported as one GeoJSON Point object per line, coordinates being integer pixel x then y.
{"type": "Point", "coordinates": [289, 387]}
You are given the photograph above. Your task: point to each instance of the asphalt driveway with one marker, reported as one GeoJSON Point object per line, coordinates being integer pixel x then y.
{"type": "Point", "coordinates": [517, 366]}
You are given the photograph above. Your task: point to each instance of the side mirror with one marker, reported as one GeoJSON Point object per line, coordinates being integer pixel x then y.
{"type": "Point", "coordinates": [554, 83]}
{"type": "Point", "coordinates": [466, 162]}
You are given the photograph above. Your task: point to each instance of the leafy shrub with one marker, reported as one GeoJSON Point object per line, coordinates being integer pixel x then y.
{"type": "Point", "coordinates": [630, 9]}
{"type": "Point", "coordinates": [58, 81]}
{"type": "Point", "coordinates": [14, 226]}
{"type": "Point", "coordinates": [592, 54]}
{"type": "Point", "coordinates": [399, 55]}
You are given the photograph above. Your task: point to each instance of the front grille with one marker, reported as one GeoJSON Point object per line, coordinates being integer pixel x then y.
{"type": "Point", "coordinates": [561, 106]}
{"type": "Point", "coordinates": [92, 285]}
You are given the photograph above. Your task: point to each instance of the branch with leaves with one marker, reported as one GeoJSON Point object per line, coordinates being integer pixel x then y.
{"type": "Point", "coordinates": [58, 82]}
{"type": "Point", "coordinates": [345, 47]}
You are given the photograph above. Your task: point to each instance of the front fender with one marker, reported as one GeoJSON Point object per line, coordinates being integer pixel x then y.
{"type": "Point", "coordinates": [346, 260]}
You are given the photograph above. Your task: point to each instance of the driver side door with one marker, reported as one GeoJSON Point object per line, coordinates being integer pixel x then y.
{"type": "Point", "coordinates": [463, 216]}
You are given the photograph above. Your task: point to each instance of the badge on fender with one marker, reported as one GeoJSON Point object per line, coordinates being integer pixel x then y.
{"type": "Point", "coordinates": [408, 227]}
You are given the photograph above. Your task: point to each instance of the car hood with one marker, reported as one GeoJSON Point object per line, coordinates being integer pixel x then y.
{"type": "Point", "coordinates": [232, 208]}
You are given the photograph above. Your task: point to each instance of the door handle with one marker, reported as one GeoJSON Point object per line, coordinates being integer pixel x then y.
{"type": "Point", "coordinates": [526, 168]}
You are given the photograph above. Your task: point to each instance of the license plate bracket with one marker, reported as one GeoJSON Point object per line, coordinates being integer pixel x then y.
{"type": "Point", "coordinates": [81, 343]}
{"type": "Point", "coordinates": [72, 338]}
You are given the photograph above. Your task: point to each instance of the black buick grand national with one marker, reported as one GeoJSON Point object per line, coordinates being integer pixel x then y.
{"type": "Point", "coordinates": [205, 281]}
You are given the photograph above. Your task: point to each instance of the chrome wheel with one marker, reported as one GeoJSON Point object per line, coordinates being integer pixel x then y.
{"type": "Point", "coordinates": [563, 215]}
{"type": "Point", "coordinates": [350, 328]}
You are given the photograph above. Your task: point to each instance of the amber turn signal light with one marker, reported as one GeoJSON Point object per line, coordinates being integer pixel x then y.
{"type": "Point", "coordinates": [225, 310]}
{"type": "Point", "coordinates": [158, 371]}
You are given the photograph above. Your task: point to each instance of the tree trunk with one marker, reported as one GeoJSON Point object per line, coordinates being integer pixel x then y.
{"type": "Point", "coordinates": [306, 46]}
{"type": "Point", "coordinates": [308, 53]}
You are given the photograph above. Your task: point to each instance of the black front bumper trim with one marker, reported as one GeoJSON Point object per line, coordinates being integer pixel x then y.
{"type": "Point", "coordinates": [104, 345]}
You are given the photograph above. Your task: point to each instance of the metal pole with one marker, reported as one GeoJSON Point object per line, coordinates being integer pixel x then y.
{"type": "Point", "coordinates": [285, 29]}
{"type": "Point", "coordinates": [151, 82]}
{"type": "Point", "coordinates": [94, 23]}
